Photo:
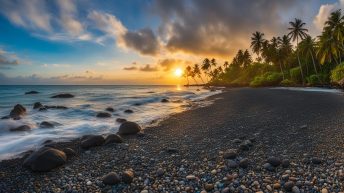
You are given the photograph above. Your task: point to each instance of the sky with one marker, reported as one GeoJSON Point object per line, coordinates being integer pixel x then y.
{"type": "Point", "coordinates": [136, 41]}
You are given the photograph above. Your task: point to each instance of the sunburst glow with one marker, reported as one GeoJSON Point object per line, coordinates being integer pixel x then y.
{"type": "Point", "coordinates": [178, 72]}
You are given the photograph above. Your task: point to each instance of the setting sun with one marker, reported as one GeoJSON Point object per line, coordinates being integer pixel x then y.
{"type": "Point", "coordinates": [178, 72]}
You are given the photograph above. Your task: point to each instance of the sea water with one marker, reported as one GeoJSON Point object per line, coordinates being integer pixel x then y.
{"type": "Point", "coordinates": [80, 117]}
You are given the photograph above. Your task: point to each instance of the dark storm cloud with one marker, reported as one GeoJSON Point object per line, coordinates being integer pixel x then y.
{"type": "Point", "coordinates": [144, 41]}
{"type": "Point", "coordinates": [218, 27]}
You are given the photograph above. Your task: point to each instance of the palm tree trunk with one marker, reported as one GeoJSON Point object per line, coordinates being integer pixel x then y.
{"type": "Point", "coordinates": [315, 68]}
{"type": "Point", "coordinates": [298, 58]}
{"type": "Point", "coordinates": [195, 80]}
{"type": "Point", "coordinates": [201, 79]}
{"type": "Point", "coordinates": [281, 69]}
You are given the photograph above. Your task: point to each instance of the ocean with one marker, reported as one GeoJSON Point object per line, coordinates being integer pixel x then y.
{"type": "Point", "coordinates": [80, 117]}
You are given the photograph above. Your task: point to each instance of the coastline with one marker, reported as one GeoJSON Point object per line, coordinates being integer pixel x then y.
{"type": "Point", "coordinates": [200, 136]}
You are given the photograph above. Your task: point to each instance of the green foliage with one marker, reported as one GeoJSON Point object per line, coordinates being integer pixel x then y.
{"type": "Point", "coordinates": [287, 82]}
{"type": "Point", "coordinates": [295, 75]}
{"type": "Point", "coordinates": [267, 79]}
{"type": "Point", "coordinates": [319, 79]}
{"type": "Point", "coordinates": [337, 73]}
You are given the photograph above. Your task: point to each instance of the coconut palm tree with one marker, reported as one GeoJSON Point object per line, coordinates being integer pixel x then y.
{"type": "Point", "coordinates": [335, 26]}
{"type": "Point", "coordinates": [247, 59]}
{"type": "Point", "coordinates": [297, 31]}
{"type": "Point", "coordinates": [206, 67]}
{"type": "Point", "coordinates": [257, 40]}
{"type": "Point", "coordinates": [187, 73]}
{"type": "Point", "coordinates": [213, 63]}
{"type": "Point", "coordinates": [328, 48]}
{"type": "Point", "coordinates": [197, 72]}
{"type": "Point", "coordinates": [226, 64]}
{"type": "Point", "coordinates": [307, 49]}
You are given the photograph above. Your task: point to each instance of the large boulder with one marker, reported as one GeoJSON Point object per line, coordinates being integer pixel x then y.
{"type": "Point", "coordinates": [103, 115]}
{"type": "Point", "coordinates": [129, 128]}
{"type": "Point", "coordinates": [63, 95]}
{"type": "Point", "coordinates": [37, 105]}
{"type": "Point", "coordinates": [21, 128]}
{"type": "Point", "coordinates": [92, 141]}
{"type": "Point", "coordinates": [113, 138]}
{"type": "Point", "coordinates": [45, 159]}
{"type": "Point", "coordinates": [17, 111]}
{"type": "Point", "coordinates": [32, 92]}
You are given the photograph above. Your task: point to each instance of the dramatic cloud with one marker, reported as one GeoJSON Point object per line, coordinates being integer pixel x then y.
{"type": "Point", "coordinates": [218, 27]}
{"type": "Point", "coordinates": [325, 11]}
{"type": "Point", "coordinates": [168, 64]}
{"type": "Point", "coordinates": [149, 68]}
{"type": "Point", "coordinates": [143, 41]}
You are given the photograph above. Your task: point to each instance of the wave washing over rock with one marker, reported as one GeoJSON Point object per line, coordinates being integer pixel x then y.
{"type": "Point", "coordinates": [80, 116]}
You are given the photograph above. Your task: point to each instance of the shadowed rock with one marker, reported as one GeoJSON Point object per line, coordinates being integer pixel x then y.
{"type": "Point", "coordinates": [37, 105]}
{"type": "Point", "coordinates": [110, 109]}
{"type": "Point", "coordinates": [129, 111]}
{"type": "Point", "coordinates": [128, 176]}
{"type": "Point", "coordinates": [21, 128]}
{"type": "Point", "coordinates": [129, 128]}
{"type": "Point", "coordinates": [113, 138]}
{"type": "Point", "coordinates": [120, 120]}
{"type": "Point", "coordinates": [69, 152]}
{"type": "Point", "coordinates": [32, 92]}
{"type": "Point", "coordinates": [48, 124]}
{"type": "Point", "coordinates": [111, 178]}
{"type": "Point", "coordinates": [92, 141]}
{"type": "Point", "coordinates": [103, 115]}
{"type": "Point", "coordinates": [164, 100]}
{"type": "Point", "coordinates": [45, 159]}
{"type": "Point", "coordinates": [230, 154]}
{"type": "Point", "coordinates": [274, 161]}
{"type": "Point", "coordinates": [63, 95]}
{"type": "Point", "coordinates": [17, 111]}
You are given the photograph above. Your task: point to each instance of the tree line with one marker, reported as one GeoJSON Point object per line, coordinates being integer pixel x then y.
{"type": "Point", "coordinates": [312, 61]}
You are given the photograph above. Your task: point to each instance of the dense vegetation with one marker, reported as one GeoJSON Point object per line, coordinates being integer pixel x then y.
{"type": "Point", "coordinates": [312, 61]}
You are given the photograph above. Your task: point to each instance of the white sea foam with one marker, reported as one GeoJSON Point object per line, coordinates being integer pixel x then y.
{"type": "Point", "coordinates": [80, 117]}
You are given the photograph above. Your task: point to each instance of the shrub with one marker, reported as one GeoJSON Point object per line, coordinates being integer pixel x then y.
{"type": "Point", "coordinates": [287, 82]}
{"type": "Point", "coordinates": [295, 75]}
{"type": "Point", "coordinates": [319, 79]}
{"type": "Point", "coordinates": [267, 79]}
{"type": "Point", "coordinates": [337, 73]}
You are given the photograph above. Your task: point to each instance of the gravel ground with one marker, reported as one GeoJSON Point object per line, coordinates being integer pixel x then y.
{"type": "Point", "coordinates": [223, 147]}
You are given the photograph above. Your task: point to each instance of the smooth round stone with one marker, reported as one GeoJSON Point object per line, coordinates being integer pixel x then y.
{"type": "Point", "coordinates": [244, 163]}
{"type": "Point", "coordinates": [295, 189]}
{"type": "Point", "coordinates": [209, 187]}
{"type": "Point", "coordinates": [274, 161]}
{"type": "Point", "coordinates": [89, 183]}
{"type": "Point", "coordinates": [324, 190]}
{"type": "Point", "coordinates": [289, 185]}
{"type": "Point", "coordinates": [160, 172]}
{"type": "Point", "coordinates": [191, 177]}
{"type": "Point", "coordinates": [277, 186]}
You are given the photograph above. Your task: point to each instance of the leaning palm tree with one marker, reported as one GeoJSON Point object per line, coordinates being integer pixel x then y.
{"type": "Point", "coordinates": [297, 31]}
{"type": "Point", "coordinates": [187, 73]}
{"type": "Point", "coordinates": [206, 67]}
{"type": "Point", "coordinates": [257, 40]}
{"type": "Point", "coordinates": [335, 27]}
{"type": "Point", "coordinates": [328, 48]}
{"type": "Point", "coordinates": [307, 48]}
{"type": "Point", "coordinates": [197, 72]}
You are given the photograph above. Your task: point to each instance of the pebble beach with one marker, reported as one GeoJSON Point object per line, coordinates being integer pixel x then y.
{"type": "Point", "coordinates": [247, 140]}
